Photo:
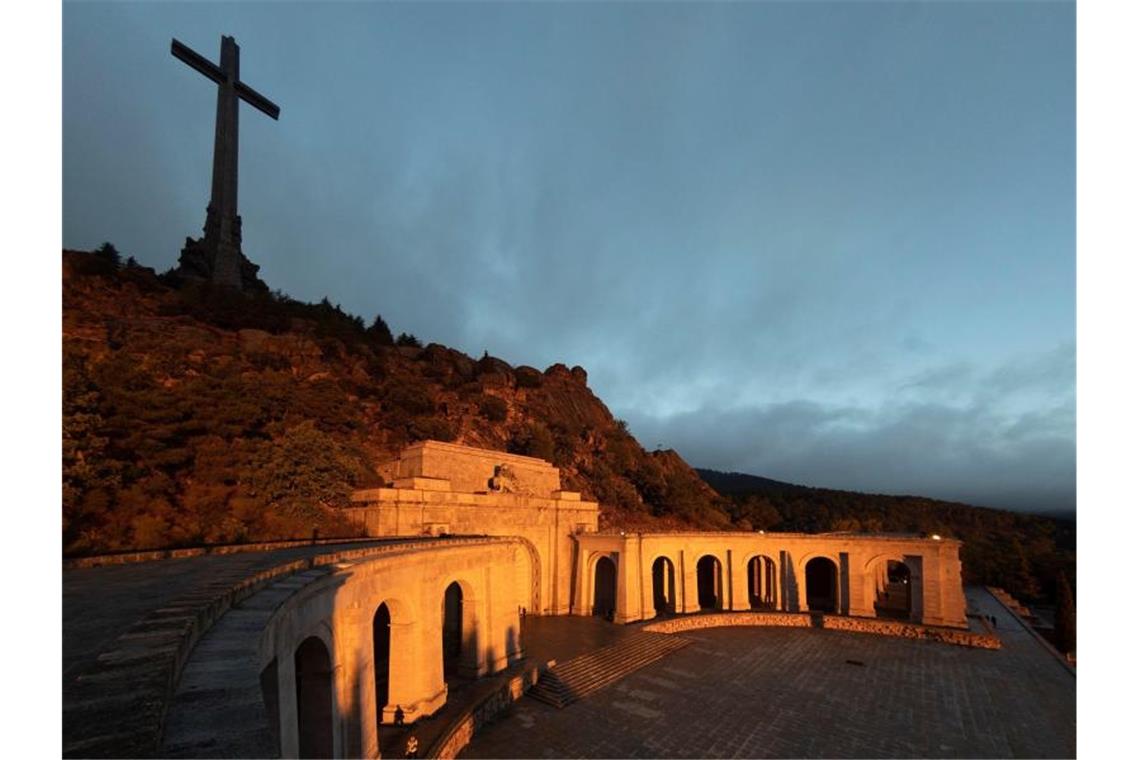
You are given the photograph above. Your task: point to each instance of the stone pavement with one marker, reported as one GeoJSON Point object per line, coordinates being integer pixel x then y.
{"type": "Point", "coordinates": [781, 692]}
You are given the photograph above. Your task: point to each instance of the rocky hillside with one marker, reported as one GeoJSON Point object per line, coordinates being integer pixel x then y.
{"type": "Point", "coordinates": [194, 416]}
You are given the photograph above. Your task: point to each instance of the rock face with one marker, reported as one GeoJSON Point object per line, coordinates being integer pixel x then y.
{"type": "Point", "coordinates": [192, 415]}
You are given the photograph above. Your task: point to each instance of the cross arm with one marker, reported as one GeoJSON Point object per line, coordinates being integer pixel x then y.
{"type": "Point", "coordinates": [196, 62]}
{"type": "Point", "coordinates": [257, 100]}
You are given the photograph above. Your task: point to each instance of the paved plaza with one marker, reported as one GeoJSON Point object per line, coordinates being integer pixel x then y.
{"type": "Point", "coordinates": [784, 692]}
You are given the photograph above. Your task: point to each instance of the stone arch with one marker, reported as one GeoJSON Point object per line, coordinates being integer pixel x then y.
{"type": "Point", "coordinates": [535, 591]}
{"type": "Point", "coordinates": [664, 577]}
{"type": "Point", "coordinates": [313, 669]}
{"type": "Point", "coordinates": [821, 584]}
{"type": "Point", "coordinates": [763, 580]}
{"type": "Point", "coordinates": [710, 583]}
{"type": "Point", "coordinates": [604, 586]}
{"type": "Point", "coordinates": [894, 586]}
{"type": "Point", "coordinates": [393, 634]}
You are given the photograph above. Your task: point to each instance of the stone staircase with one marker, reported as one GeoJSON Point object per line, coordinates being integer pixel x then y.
{"type": "Point", "coordinates": [570, 681]}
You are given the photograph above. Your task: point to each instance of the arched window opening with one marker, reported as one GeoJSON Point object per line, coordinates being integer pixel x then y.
{"type": "Point", "coordinates": [761, 583]}
{"type": "Point", "coordinates": [822, 585]}
{"type": "Point", "coordinates": [664, 588]}
{"type": "Point", "coordinates": [452, 629]}
{"type": "Point", "coordinates": [709, 585]}
{"type": "Point", "coordinates": [381, 655]}
{"type": "Point", "coordinates": [313, 669]}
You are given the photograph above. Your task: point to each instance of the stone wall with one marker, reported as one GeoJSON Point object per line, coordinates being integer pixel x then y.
{"type": "Point", "coordinates": [458, 735]}
{"type": "Point", "coordinates": [827, 622]}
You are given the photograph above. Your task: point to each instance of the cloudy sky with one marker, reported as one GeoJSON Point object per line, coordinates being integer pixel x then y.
{"type": "Point", "coordinates": [825, 243]}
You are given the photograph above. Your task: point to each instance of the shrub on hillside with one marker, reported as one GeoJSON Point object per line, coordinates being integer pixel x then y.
{"type": "Point", "coordinates": [493, 408]}
{"type": "Point", "coordinates": [528, 377]}
{"type": "Point", "coordinates": [533, 440]}
{"type": "Point", "coordinates": [431, 428]}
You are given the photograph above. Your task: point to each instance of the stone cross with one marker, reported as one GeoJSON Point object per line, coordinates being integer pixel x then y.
{"type": "Point", "coordinates": [222, 242]}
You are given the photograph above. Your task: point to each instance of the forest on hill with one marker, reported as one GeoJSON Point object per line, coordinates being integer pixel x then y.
{"type": "Point", "coordinates": [1019, 552]}
{"type": "Point", "coordinates": [196, 416]}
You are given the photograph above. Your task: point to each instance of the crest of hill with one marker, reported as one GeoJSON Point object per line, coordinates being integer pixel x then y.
{"type": "Point", "coordinates": [192, 416]}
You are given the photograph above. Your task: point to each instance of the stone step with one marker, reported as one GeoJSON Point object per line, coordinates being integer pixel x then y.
{"type": "Point", "coordinates": [570, 681]}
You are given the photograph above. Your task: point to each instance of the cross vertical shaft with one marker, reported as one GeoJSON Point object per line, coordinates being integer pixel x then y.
{"type": "Point", "coordinates": [223, 225]}
{"type": "Point", "coordinates": [217, 257]}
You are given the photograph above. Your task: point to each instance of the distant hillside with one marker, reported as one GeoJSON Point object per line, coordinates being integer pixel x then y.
{"type": "Point", "coordinates": [1019, 552]}
{"type": "Point", "coordinates": [196, 416]}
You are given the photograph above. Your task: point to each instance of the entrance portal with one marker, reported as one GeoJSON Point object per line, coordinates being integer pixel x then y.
{"type": "Point", "coordinates": [314, 698]}
{"type": "Point", "coordinates": [822, 585]}
{"type": "Point", "coordinates": [605, 588]}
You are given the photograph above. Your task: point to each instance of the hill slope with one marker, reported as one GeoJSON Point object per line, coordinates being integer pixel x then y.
{"type": "Point", "coordinates": [196, 416]}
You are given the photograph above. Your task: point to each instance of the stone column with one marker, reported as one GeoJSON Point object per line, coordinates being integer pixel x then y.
{"type": "Point", "coordinates": [738, 582]}
{"type": "Point", "coordinates": [690, 602]}
{"type": "Point", "coordinates": [287, 703]}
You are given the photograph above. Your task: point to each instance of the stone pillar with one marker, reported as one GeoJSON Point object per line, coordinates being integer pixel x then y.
{"type": "Point", "coordinates": [862, 586]}
{"type": "Point", "coordinates": [628, 596]}
{"type": "Point", "coordinates": [472, 661]}
{"type": "Point", "coordinates": [287, 703]}
{"type": "Point", "coordinates": [415, 680]}
{"type": "Point", "coordinates": [354, 679]}
{"type": "Point", "coordinates": [738, 583]}
{"type": "Point", "coordinates": [690, 601]}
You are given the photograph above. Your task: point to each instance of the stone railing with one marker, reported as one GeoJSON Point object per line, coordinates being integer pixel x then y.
{"type": "Point", "coordinates": [828, 622]}
{"type": "Point", "coordinates": [483, 710]}
{"type": "Point", "coordinates": [150, 555]}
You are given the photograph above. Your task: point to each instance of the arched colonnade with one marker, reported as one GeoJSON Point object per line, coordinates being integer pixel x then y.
{"type": "Point", "coordinates": [648, 575]}
{"type": "Point", "coordinates": [377, 642]}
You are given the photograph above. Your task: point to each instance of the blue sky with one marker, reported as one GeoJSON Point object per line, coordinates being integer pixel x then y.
{"type": "Point", "coordinates": [826, 243]}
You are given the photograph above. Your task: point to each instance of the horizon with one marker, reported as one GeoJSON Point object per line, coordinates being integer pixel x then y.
{"type": "Point", "coordinates": [864, 260]}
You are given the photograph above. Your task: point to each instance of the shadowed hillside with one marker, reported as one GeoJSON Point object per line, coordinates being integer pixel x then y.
{"type": "Point", "coordinates": [197, 416]}
{"type": "Point", "coordinates": [1020, 552]}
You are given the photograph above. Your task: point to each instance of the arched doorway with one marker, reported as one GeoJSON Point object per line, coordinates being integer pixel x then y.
{"type": "Point", "coordinates": [452, 614]}
{"type": "Point", "coordinates": [761, 573]}
{"type": "Point", "coordinates": [381, 655]}
{"type": "Point", "coordinates": [313, 670]}
{"type": "Point", "coordinates": [893, 599]}
{"type": "Point", "coordinates": [664, 589]}
{"type": "Point", "coordinates": [821, 580]}
{"type": "Point", "coordinates": [605, 588]}
{"type": "Point", "coordinates": [709, 583]}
